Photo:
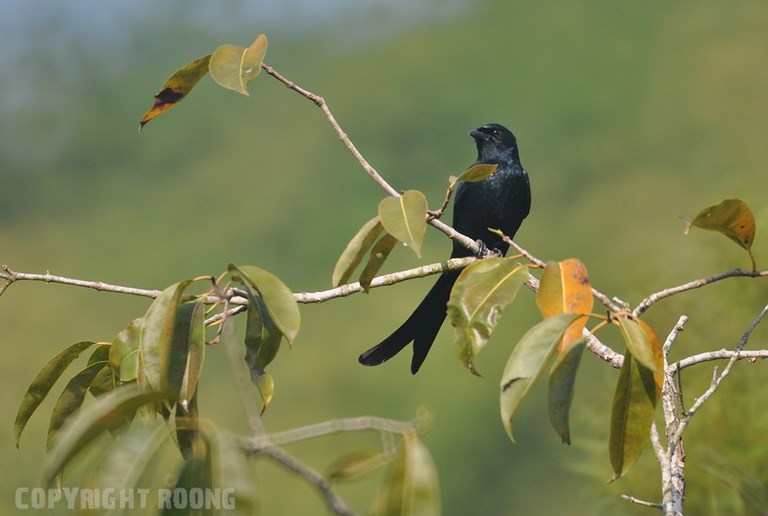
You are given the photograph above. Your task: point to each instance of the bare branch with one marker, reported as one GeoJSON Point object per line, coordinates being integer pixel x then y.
{"type": "Point", "coordinates": [336, 504]}
{"type": "Point", "coordinates": [721, 354]}
{"type": "Point", "coordinates": [646, 303]}
{"type": "Point", "coordinates": [718, 379]}
{"type": "Point", "coordinates": [602, 351]}
{"type": "Point", "coordinates": [334, 426]}
{"type": "Point", "coordinates": [320, 102]}
{"type": "Point", "coordinates": [638, 501]}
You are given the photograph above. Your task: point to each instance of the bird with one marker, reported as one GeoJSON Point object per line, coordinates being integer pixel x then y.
{"type": "Point", "coordinates": [502, 201]}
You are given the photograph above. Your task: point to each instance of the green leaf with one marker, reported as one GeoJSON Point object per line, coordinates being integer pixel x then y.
{"type": "Point", "coordinates": [176, 88]}
{"type": "Point", "coordinates": [126, 458]}
{"type": "Point", "coordinates": [405, 218]}
{"type": "Point", "coordinates": [195, 354]}
{"type": "Point", "coordinates": [157, 337]}
{"type": "Point", "coordinates": [634, 403]}
{"type": "Point", "coordinates": [73, 395]}
{"type": "Point", "coordinates": [231, 469]}
{"type": "Point", "coordinates": [526, 362]}
{"type": "Point", "coordinates": [477, 172]}
{"type": "Point", "coordinates": [356, 465]}
{"type": "Point", "coordinates": [186, 421]}
{"type": "Point", "coordinates": [41, 385]}
{"type": "Point", "coordinates": [565, 288]}
{"type": "Point", "coordinates": [376, 259]}
{"type": "Point", "coordinates": [262, 338]}
{"type": "Point", "coordinates": [195, 473]}
{"type": "Point", "coordinates": [278, 298]}
{"type": "Point", "coordinates": [105, 413]}
{"type": "Point", "coordinates": [104, 381]}
{"type": "Point", "coordinates": [412, 488]}
{"type": "Point", "coordinates": [124, 353]}
{"type": "Point", "coordinates": [184, 364]}
{"type": "Point", "coordinates": [355, 251]}
{"type": "Point", "coordinates": [232, 66]}
{"type": "Point", "coordinates": [638, 343]}
{"type": "Point", "coordinates": [561, 383]}
{"type": "Point", "coordinates": [479, 295]}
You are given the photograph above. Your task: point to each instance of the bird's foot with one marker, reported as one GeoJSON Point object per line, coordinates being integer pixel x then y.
{"type": "Point", "coordinates": [482, 249]}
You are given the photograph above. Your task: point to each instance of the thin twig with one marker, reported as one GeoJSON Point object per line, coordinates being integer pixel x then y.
{"type": "Point", "coordinates": [721, 354]}
{"type": "Point", "coordinates": [335, 503]}
{"type": "Point", "coordinates": [650, 300]}
{"type": "Point", "coordinates": [638, 501]}
{"type": "Point", "coordinates": [320, 102]}
{"type": "Point", "coordinates": [718, 379]}
{"type": "Point", "coordinates": [334, 426]}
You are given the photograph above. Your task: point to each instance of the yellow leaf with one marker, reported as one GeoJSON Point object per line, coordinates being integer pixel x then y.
{"type": "Point", "coordinates": [732, 218]}
{"type": "Point", "coordinates": [176, 88]}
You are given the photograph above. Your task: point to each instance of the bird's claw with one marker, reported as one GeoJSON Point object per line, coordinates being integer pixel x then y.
{"type": "Point", "coordinates": [482, 249]}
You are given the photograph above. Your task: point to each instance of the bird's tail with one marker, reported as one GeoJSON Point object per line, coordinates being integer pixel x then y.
{"type": "Point", "coordinates": [421, 327]}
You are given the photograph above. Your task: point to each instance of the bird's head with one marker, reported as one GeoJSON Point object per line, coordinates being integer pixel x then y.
{"type": "Point", "coordinates": [494, 142]}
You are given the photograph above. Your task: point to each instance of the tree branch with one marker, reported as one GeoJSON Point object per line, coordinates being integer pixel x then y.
{"type": "Point", "coordinates": [649, 301]}
{"type": "Point", "coordinates": [335, 503]}
{"type": "Point", "coordinates": [638, 501]}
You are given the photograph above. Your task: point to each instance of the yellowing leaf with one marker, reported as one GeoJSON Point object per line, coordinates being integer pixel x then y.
{"type": "Point", "coordinates": [565, 288]}
{"type": "Point", "coordinates": [642, 343]}
{"type": "Point", "coordinates": [634, 403]}
{"type": "Point", "coordinates": [477, 172]}
{"type": "Point", "coordinates": [266, 385]}
{"type": "Point", "coordinates": [176, 88]}
{"type": "Point", "coordinates": [412, 488]}
{"type": "Point", "coordinates": [43, 383]}
{"type": "Point", "coordinates": [277, 297]}
{"type": "Point", "coordinates": [405, 218]}
{"type": "Point", "coordinates": [481, 291]}
{"type": "Point", "coordinates": [355, 251]}
{"type": "Point", "coordinates": [526, 362]}
{"type": "Point", "coordinates": [732, 218]}
{"type": "Point", "coordinates": [376, 259]}
{"type": "Point", "coordinates": [233, 66]}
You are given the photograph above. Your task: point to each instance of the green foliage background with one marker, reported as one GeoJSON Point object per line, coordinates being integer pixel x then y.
{"type": "Point", "coordinates": [628, 117]}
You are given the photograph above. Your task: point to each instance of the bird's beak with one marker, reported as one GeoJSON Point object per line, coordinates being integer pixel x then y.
{"type": "Point", "coordinates": [477, 134]}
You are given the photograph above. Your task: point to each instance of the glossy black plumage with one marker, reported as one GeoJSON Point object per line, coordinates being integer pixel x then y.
{"type": "Point", "coordinates": [501, 201]}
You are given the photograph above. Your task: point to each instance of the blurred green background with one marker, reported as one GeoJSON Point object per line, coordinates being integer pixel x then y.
{"type": "Point", "coordinates": [628, 116]}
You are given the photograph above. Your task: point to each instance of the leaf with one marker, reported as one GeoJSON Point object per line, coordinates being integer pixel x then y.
{"type": "Point", "coordinates": [41, 385]}
{"type": "Point", "coordinates": [478, 172]}
{"type": "Point", "coordinates": [378, 256]}
{"type": "Point", "coordinates": [184, 364]}
{"type": "Point", "coordinates": [526, 362]}
{"type": "Point", "coordinates": [732, 218]}
{"type": "Point", "coordinates": [634, 403]}
{"type": "Point", "coordinates": [105, 413]}
{"type": "Point", "coordinates": [124, 353]}
{"type": "Point", "coordinates": [195, 473]}
{"type": "Point", "coordinates": [127, 457]}
{"type": "Point", "coordinates": [104, 381]}
{"type": "Point", "coordinates": [642, 343]}
{"type": "Point", "coordinates": [356, 465]}
{"type": "Point", "coordinates": [176, 88]}
{"type": "Point", "coordinates": [157, 337]}
{"type": "Point", "coordinates": [262, 338]}
{"type": "Point", "coordinates": [405, 218]}
{"type": "Point", "coordinates": [73, 395]}
{"type": "Point", "coordinates": [195, 355]}
{"type": "Point", "coordinates": [231, 469]}
{"type": "Point", "coordinates": [482, 290]}
{"type": "Point", "coordinates": [278, 298]}
{"type": "Point", "coordinates": [186, 422]}
{"type": "Point", "coordinates": [232, 66]}
{"type": "Point", "coordinates": [565, 288]}
{"type": "Point", "coordinates": [355, 251]}
{"type": "Point", "coordinates": [412, 488]}
{"type": "Point", "coordinates": [266, 386]}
